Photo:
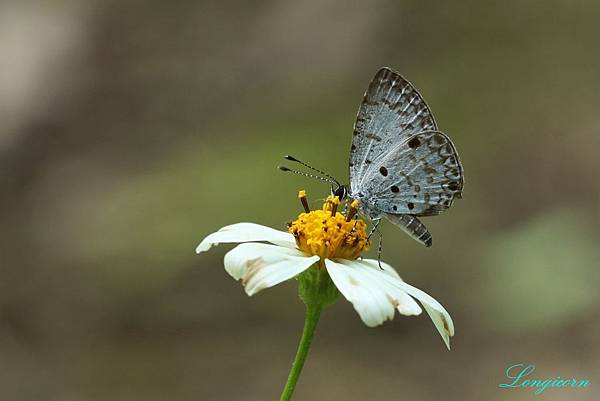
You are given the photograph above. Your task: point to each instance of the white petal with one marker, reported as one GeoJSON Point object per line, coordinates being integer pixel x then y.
{"type": "Point", "coordinates": [261, 266]}
{"type": "Point", "coordinates": [373, 263]}
{"type": "Point", "coordinates": [440, 317]}
{"type": "Point", "coordinates": [406, 305]}
{"type": "Point", "coordinates": [374, 298]}
{"type": "Point", "coordinates": [246, 232]}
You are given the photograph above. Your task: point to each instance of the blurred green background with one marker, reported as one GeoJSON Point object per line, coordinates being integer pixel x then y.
{"type": "Point", "coordinates": [129, 130]}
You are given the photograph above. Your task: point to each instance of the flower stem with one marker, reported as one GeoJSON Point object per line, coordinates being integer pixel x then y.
{"type": "Point", "coordinates": [313, 312]}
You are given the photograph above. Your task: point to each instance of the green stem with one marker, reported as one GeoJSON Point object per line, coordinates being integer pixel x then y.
{"type": "Point", "coordinates": [313, 312]}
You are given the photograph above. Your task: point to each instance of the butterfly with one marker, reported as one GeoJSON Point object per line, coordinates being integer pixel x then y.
{"type": "Point", "coordinates": [401, 166]}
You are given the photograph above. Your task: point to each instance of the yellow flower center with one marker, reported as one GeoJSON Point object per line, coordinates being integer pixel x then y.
{"type": "Point", "coordinates": [328, 233]}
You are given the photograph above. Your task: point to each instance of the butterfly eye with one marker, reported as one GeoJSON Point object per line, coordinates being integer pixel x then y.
{"type": "Point", "coordinates": [341, 192]}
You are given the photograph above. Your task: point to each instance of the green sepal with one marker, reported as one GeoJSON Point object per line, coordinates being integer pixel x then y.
{"type": "Point", "coordinates": [315, 286]}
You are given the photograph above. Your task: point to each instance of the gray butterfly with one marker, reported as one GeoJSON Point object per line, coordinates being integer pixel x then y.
{"type": "Point", "coordinates": [401, 166]}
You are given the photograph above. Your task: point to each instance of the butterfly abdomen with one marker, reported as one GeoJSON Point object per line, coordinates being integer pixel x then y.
{"type": "Point", "coordinates": [412, 226]}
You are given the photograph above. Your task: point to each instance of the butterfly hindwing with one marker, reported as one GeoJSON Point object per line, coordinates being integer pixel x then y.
{"type": "Point", "coordinates": [391, 111]}
{"type": "Point", "coordinates": [420, 176]}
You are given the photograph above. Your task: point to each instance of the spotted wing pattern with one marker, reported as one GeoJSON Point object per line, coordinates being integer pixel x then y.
{"type": "Point", "coordinates": [421, 175]}
{"type": "Point", "coordinates": [392, 111]}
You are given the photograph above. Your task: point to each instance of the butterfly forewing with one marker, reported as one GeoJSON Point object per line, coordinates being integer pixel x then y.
{"type": "Point", "coordinates": [391, 112]}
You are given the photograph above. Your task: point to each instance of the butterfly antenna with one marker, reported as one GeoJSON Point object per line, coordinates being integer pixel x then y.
{"type": "Point", "coordinates": [318, 177]}
{"type": "Point", "coordinates": [332, 180]}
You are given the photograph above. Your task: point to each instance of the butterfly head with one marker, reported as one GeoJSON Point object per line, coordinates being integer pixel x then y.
{"type": "Point", "coordinates": [341, 191]}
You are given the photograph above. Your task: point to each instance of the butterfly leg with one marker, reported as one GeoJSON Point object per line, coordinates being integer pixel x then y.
{"type": "Point", "coordinates": [375, 228]}
{"type": "Point", "coordinates": [375, 225]}
{"type": "Point", "coordinates": [379, 249]}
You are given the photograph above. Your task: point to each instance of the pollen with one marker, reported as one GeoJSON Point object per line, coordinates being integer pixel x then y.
{"type": "Point", "coordinates": [328, 233]}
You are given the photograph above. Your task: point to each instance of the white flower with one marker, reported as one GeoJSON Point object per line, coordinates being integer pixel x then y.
{"type": "Point", "coordinates": [374, 292]}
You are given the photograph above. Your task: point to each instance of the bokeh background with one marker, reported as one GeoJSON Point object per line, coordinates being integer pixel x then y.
{"type": "Point", "coordinates": [129, 130]}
